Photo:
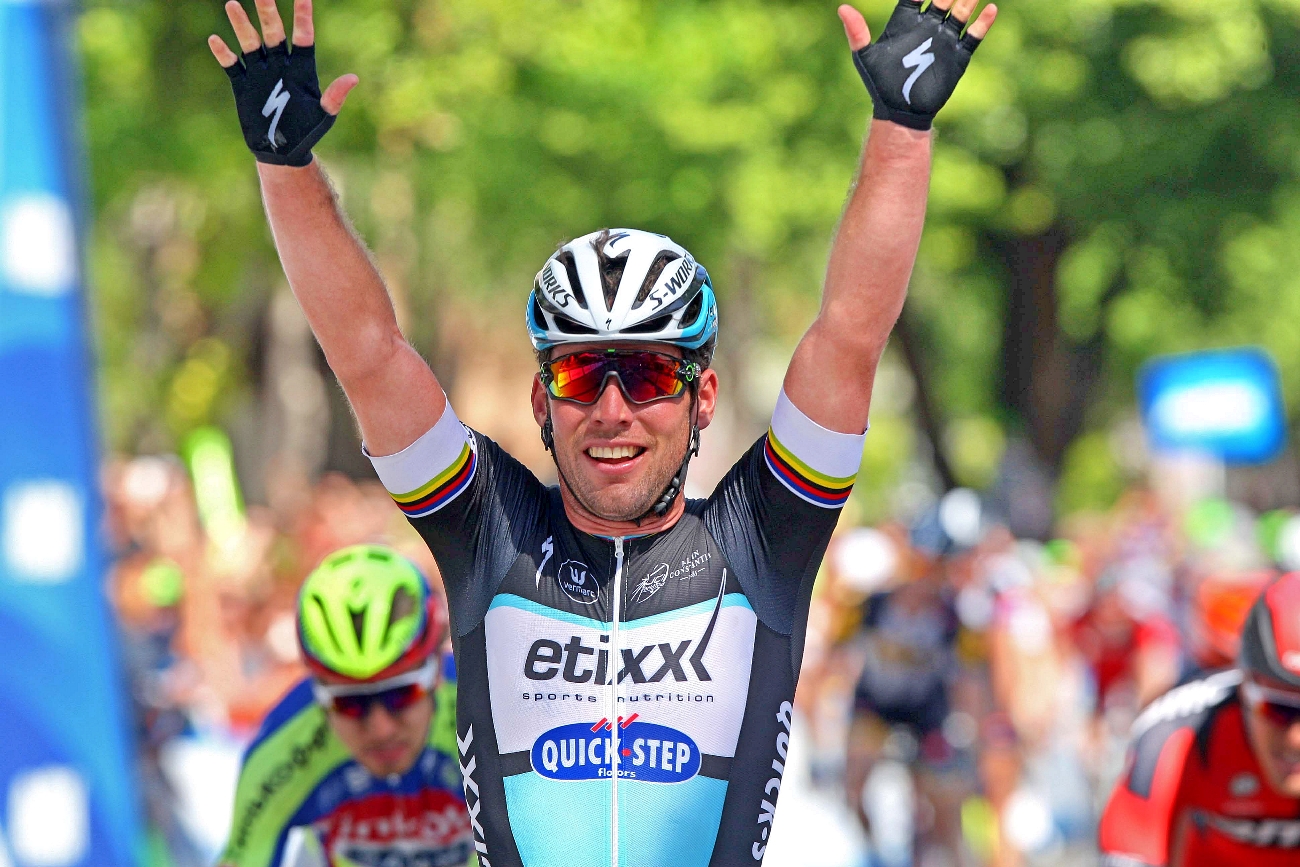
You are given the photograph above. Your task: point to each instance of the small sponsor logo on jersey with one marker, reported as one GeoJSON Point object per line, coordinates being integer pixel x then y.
{"type": "Point", "coordinates": [648, 752]}
{"type": "Point", "coordinates": [1243, 785]}
{"type": "Point", "coordinates": [428, 827]}
{"type": "Point", "coordinates": [577, 582]}
{"type": "Point", "coordinates": [651, 584]}
{"type": "Point", "coordinates": [1265, 833]}
{"type": "Point", "coordinates": [548, 548]}
{"type": "Point", "coordinates": [657, 578]}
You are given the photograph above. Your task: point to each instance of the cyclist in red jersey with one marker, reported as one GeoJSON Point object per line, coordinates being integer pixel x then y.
{"type": "Point", "coordinates": [1213, 775]}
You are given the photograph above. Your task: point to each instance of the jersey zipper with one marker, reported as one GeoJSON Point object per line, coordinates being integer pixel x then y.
{"type": "Point", "coordinates": [613, 711]}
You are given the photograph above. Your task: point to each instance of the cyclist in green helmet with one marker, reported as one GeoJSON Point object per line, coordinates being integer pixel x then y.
{"type": "Point", "coordinates": [356, 765]}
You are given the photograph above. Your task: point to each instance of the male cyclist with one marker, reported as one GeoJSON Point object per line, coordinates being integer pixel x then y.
{"type": "Point", "coordinates": [1213, 776]}
{"type": "Point", "coordinates": [628, 659]}
{"type": "Point", "coordinates": [355, 765]}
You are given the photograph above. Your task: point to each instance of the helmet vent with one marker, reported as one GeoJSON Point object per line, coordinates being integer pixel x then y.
{"type": "Point", "coordinates": [358, 623]}
{"type": "Point", "coordinates": [568, 326]}
{"type": "Point", "coordinates": [692, 311]}
{"type": "Point", "coordinates": [656, 268]}
{"type": "Point", "coordinates": [651, 326]}
{"type": "Point", "coordinates": [324, 616]}
{"type": "Point", "coordinates": [403, 607]}
{"type": "Point", "coordinates": [611, 270]}
{"type": "Point", "coordinates": [565, 258]}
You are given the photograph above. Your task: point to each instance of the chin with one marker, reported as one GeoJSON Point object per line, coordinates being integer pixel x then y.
{"type": "Point", "coordinates": [387, 769]}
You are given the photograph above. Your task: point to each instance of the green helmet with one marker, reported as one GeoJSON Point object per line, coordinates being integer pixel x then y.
{"type": "Point", "coordinates": [366, 613]}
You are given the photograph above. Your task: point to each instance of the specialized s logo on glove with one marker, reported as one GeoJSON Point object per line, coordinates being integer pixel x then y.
{"type": "Point", "coordinates": [913, 68]}
{"type": "Point", "coordinates": [278, 98]}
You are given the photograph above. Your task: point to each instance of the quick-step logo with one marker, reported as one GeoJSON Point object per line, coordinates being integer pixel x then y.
{"type": "Point", "coordinates": [648, 752]}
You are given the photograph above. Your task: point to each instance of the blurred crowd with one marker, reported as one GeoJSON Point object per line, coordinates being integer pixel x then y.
{"type": "Point", "coordinates": [206, 616]}
{"type": "Point", "coordinates": [965, 697]}
{"type": "Point", "coordinates": [970, 694]}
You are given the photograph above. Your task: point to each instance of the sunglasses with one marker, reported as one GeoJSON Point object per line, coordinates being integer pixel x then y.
{"type": "Point", "coordinates": [1279, 707]}
{"type": "Point", "coordinates": [396, 694]}
{"type": "Point", "coordinates": [642, 376]}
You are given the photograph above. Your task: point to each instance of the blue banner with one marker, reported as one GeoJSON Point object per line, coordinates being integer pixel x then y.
{"type": "Point", "coordinates": [67, 791]}
{"type": "Point", "coordinates": [1226, 403]}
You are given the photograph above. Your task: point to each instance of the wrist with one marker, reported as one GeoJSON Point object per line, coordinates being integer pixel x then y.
{"type": "Point", "coordinates": [890, 141]}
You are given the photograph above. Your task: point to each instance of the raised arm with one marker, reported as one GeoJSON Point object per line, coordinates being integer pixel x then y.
{"type": "Point", "coordinates": [393, 392]}
{"type": "Point", "coordinates": [910, 73]}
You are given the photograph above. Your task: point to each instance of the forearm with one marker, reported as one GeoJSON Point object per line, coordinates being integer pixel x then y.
{"type": "Point", "coordinates": [331, 275]}
{"type": "Point", "coordinates": [391, 389]}
{"type": "Point", "coordinates": [866, 279]}
{"type": "Point", "coordinates": [875, 247]}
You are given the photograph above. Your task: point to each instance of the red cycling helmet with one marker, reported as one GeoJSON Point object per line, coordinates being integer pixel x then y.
{"type": "Point", "coordinates": [1270, 639]}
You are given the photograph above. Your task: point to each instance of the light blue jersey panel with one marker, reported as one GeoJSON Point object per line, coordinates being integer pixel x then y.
{"type": "Point", "coordinates": [565, 824]}
{"type": "Point", "coordinates": [675, 823]}
{"type": "Point", "coordinates": [559, 824]}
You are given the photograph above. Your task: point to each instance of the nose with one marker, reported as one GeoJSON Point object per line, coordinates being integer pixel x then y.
{"type": "Point", "coordinates": [1293, 735]}
{"type": "Point", "coordinates": [612, 407]}
{"type": "Point", "coordinates": [379, 722]}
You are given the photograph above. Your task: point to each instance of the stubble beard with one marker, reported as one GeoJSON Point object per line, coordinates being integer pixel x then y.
{"type": "Point", "coordinates": [617, 503]}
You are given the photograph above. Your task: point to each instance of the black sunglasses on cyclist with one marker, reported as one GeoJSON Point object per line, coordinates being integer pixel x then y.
{"type": "Point", "coordinates": [1279, 707]}
{"type": "Point", "coordinates": [642, 375]}
{"type": "Point", "coordinates": [395, 694]}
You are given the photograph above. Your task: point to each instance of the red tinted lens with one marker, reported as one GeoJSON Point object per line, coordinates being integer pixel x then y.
{"type": "Point", "coordinates": [1281, 715]}
{"type": "Point", "coordinates": [398, 700]}
{"type": "Point", "coordinates": [577, 377]}
{"type": "Point", "coordinates": [645, 376]}
{"type": "Point", "coordinates": [352, 706]}
{"type": "Point", "coordinates": [394, 700]}
{"type": "Point", "coordinates": [648, 376]}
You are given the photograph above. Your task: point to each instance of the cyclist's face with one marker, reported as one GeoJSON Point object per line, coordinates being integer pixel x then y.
{"type": "Point", "coordinates": [617, 456]}
{"type": "Point", "coordinates": [1276, 745]}
{"type": "Point", "coordinates": [384, 742]}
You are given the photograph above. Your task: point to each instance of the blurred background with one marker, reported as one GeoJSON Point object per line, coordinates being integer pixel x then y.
{"type": "Point", "coordinates": [1082, 459]}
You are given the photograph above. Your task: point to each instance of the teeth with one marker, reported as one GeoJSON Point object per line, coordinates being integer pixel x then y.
{"type": "Point", "coordinates": [608, 453]}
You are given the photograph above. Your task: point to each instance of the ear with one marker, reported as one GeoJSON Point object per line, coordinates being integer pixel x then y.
{"type": "Point", "coordinates": [539, 397]}
{"type": "Point", "coordinates": [707, 397]}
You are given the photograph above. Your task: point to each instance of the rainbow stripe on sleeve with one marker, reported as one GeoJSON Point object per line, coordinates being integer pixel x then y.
{"type": "Point", "coordinates": [442, 489]}
{"type": "Point", "coordinates": [802, 480]}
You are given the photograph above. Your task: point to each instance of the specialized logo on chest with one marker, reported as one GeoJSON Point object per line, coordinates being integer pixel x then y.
{"type": "Point", "coordinates": [673, 675]}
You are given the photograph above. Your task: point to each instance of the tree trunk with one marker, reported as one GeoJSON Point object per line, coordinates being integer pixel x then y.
{"type": "Point", "coordinates": [1045, 379]}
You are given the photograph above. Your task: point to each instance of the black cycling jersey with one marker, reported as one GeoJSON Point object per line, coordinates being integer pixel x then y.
{"type": "Point", "coordinates": [625, 701]}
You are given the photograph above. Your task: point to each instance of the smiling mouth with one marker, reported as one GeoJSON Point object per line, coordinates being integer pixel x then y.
{"type": "Point", "coordinates": [614, 454]}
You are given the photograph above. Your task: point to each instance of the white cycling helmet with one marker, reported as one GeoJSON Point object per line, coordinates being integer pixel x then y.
{"type": "Point", "coordinates": [622, 285]}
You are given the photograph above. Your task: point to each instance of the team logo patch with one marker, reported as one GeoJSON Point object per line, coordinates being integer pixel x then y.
{"type": "Point", "coordinates": [1243, 785]}
{"type": "Point", "coordinates": [577, 582]}
{"type": "Point", "coordinates": [647, 751]}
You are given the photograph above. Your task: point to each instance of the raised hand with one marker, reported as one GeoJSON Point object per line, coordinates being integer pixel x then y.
{"type": "Point", "coordinates": [277, 93]}
{"type": "Point", "coordinates": [913, 68]}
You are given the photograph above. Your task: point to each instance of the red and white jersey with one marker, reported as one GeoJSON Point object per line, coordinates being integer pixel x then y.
{"type": "Point", "coordinates": [1192, 793]}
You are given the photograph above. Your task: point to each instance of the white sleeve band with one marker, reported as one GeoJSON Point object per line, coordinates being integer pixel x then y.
{"type": "Point", "coordinates": [430, 472]}
{"type": "Point", "coordinates": [816, 464]}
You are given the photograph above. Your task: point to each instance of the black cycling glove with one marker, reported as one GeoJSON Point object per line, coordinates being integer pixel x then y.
{"type": "Point", "coordinates": [915, 65]}
{"type": "Point", "coordinates": [278, 98]}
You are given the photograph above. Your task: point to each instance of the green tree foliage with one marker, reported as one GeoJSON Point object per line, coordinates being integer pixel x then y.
{"type": "Point", "coordinates": [1114, 178]}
